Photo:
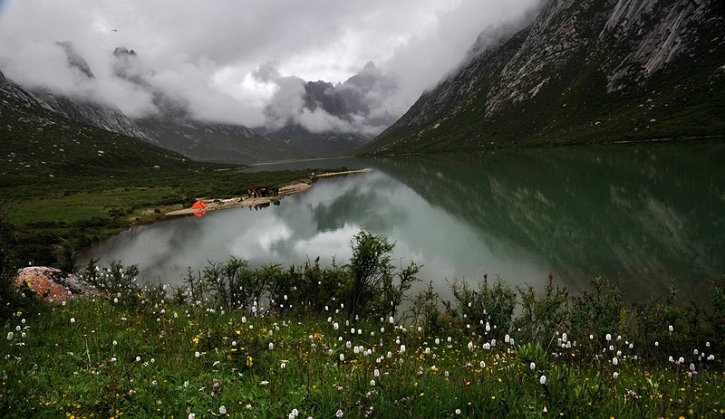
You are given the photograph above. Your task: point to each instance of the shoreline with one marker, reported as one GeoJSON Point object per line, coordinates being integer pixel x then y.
{"type": "Point", "coordinates": [216, 204]}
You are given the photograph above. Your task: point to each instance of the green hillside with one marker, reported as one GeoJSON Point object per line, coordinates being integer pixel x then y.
{"type": "Point", "coordinates": [64, 182]}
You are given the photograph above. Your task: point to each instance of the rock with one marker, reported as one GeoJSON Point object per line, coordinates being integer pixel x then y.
{"type": "Point", "coordinates": [51, 284]}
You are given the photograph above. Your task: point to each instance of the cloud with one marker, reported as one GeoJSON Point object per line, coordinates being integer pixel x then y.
{"type": "Point", "coordinates": [215, 56]}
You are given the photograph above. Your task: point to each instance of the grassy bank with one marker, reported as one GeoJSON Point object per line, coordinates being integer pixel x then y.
{"type": "Point", "coordinates": [83, 211]}
{"type": "Point", "coordinates": [320, 342]}
{"type": "Point", "coordinates": [96, 358]}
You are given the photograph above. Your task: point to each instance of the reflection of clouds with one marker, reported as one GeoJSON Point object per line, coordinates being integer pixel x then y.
{"type": "Point", "coordinates": [329, 244]}
{"type": "Point", "coordinates": [259, 241]}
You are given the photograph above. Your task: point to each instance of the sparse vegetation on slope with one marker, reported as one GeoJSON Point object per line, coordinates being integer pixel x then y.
{"type": "Point", "coordinates": [579, 74]}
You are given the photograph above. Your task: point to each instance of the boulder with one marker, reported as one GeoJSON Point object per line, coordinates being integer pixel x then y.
{"type": "Point", "coordinates": [51, 284]}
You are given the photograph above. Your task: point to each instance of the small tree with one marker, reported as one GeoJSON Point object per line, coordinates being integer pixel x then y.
{"type": "Point", "coordinates": [372, 276]}
{"type": "Point", "coordinates": [369, 266]}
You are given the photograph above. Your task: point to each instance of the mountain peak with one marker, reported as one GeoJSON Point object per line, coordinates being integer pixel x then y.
{"type": "Point", "coordinates": [370, 66]}
{"type": "Point", "coordinates": [123, 52]}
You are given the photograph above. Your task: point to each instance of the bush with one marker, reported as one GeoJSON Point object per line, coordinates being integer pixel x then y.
{"type": "Point", "coordinates": [489, 309]}
{"type": "Point", "coordinates": [541, 318]}
{"type": "Point", "coordinates": [371, 289]}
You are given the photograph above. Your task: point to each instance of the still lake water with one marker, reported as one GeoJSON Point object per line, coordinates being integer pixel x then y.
{"type": "Point", "coordinates": [647, 216]}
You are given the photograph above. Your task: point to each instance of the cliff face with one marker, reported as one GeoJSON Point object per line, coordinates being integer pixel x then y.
{"type": "Point", "coordinates": [592, 70]}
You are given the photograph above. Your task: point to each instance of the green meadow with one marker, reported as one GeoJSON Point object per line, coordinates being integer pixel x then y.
{"type": "Point", "coordinates": [349, 341]}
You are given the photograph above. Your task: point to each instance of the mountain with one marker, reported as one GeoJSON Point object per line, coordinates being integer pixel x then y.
{"type": "Point", "coordinates": [83, 109]}
{"type": "Point", "coordinates": [335, 119]}
{"type": "Point", "coordinates": [38, 145]}
{"type": "Point", "coordinates": [174, 127]}
{"type": "Point", "coordinates": [582, 72]}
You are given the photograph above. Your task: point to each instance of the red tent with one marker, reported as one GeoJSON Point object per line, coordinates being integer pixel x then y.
{"type": "Point", "coordinates": [199, 205]}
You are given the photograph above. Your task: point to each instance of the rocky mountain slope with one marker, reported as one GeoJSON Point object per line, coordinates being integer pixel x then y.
{"type": "Point", "coordinates": [583, 71]}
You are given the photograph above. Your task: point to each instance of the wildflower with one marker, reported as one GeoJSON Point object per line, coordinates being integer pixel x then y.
{"type": "Point", "coordinates": [532, 366]}
{"type": "Point", "coordinates": [72, 320]}
{"type": "Point", "coordinates": [115, 343]}
{"type": "Point", "coordinates": [615, 375]}
{"type": "Point", "coordinates": [458, 411]}
{"type": "Point", "coordinates": [545, 411]}
{"type": "Point", "coordinates": [376, 373]}
{"type": "Point", "coordinates": [470, 346]}
{"type": "Point", "coordinates": [293, 414]}
{"type": "Point", "coordinates": [339, 413]}
{"type": "Point", "coordinates": [197, 354]}
{"type": "Point", "coordinates": [271, 346]}
{"type": "Point", "coordinates": [191, 416]}
{"type": "Point", "coordinates": [138, 359]}
{"type": "Point", "coordinates": [608, 337]}
{"type": "Point", "coordinates": [10, 335]}
{"type": "Point", "coordinates": [438, 341]}
{"type": "Point", "coordinates": [657, 343]}
{"type": "Point", "coordinates": [615, 361]}
{"type": "Point", "coordinates": [342, 357]}
{"type": "Point", "coordinates": [372, 383]}
{"type": "Point", "coordinates": [282, 366]}
{"type": "Point", "coordinates": [113, 359]}
{"type": "Point", "coordinates": [402, 348]}
{"type": "Point", "coordinates": [222, 410]}
{"type": "Point", "coordinates": [696, 352]}
{"type": "Point", "coordinates": [542, 380]}
{"type": "Point", "coordinates": [482, 364]}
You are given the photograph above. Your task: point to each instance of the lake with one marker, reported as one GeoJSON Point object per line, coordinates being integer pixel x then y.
{"type": "Point", "coordinates": [645, 216]}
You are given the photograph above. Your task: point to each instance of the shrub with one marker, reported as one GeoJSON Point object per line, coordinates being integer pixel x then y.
{"type": "Point", "coordinates": [597, 313]}
{"type": "Point", "coordinates": [541, 318]}
{"type": "Point", "coordinates": [489, 309]}
{"type": "Point", "coordinates": [371, 289]}
{"type": "Point", "coordinates": [66, 256]}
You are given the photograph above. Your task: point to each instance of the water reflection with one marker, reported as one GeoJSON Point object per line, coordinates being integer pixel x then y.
{"type": "Point", "coordinates": [644, 215]}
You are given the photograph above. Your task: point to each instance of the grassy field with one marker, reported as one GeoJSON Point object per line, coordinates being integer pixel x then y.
{"type": "Point", "coordinates": [83, 210]}
{"type": "Point", "coordinates": [97, 358]}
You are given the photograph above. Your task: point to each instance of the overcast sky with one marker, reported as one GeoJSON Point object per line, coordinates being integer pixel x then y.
{"type": "Point", "coordinates": [206, 52]}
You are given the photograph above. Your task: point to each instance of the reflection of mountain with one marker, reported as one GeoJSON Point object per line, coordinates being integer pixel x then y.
{"type": "Point", "coordinates": [647, 214]}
